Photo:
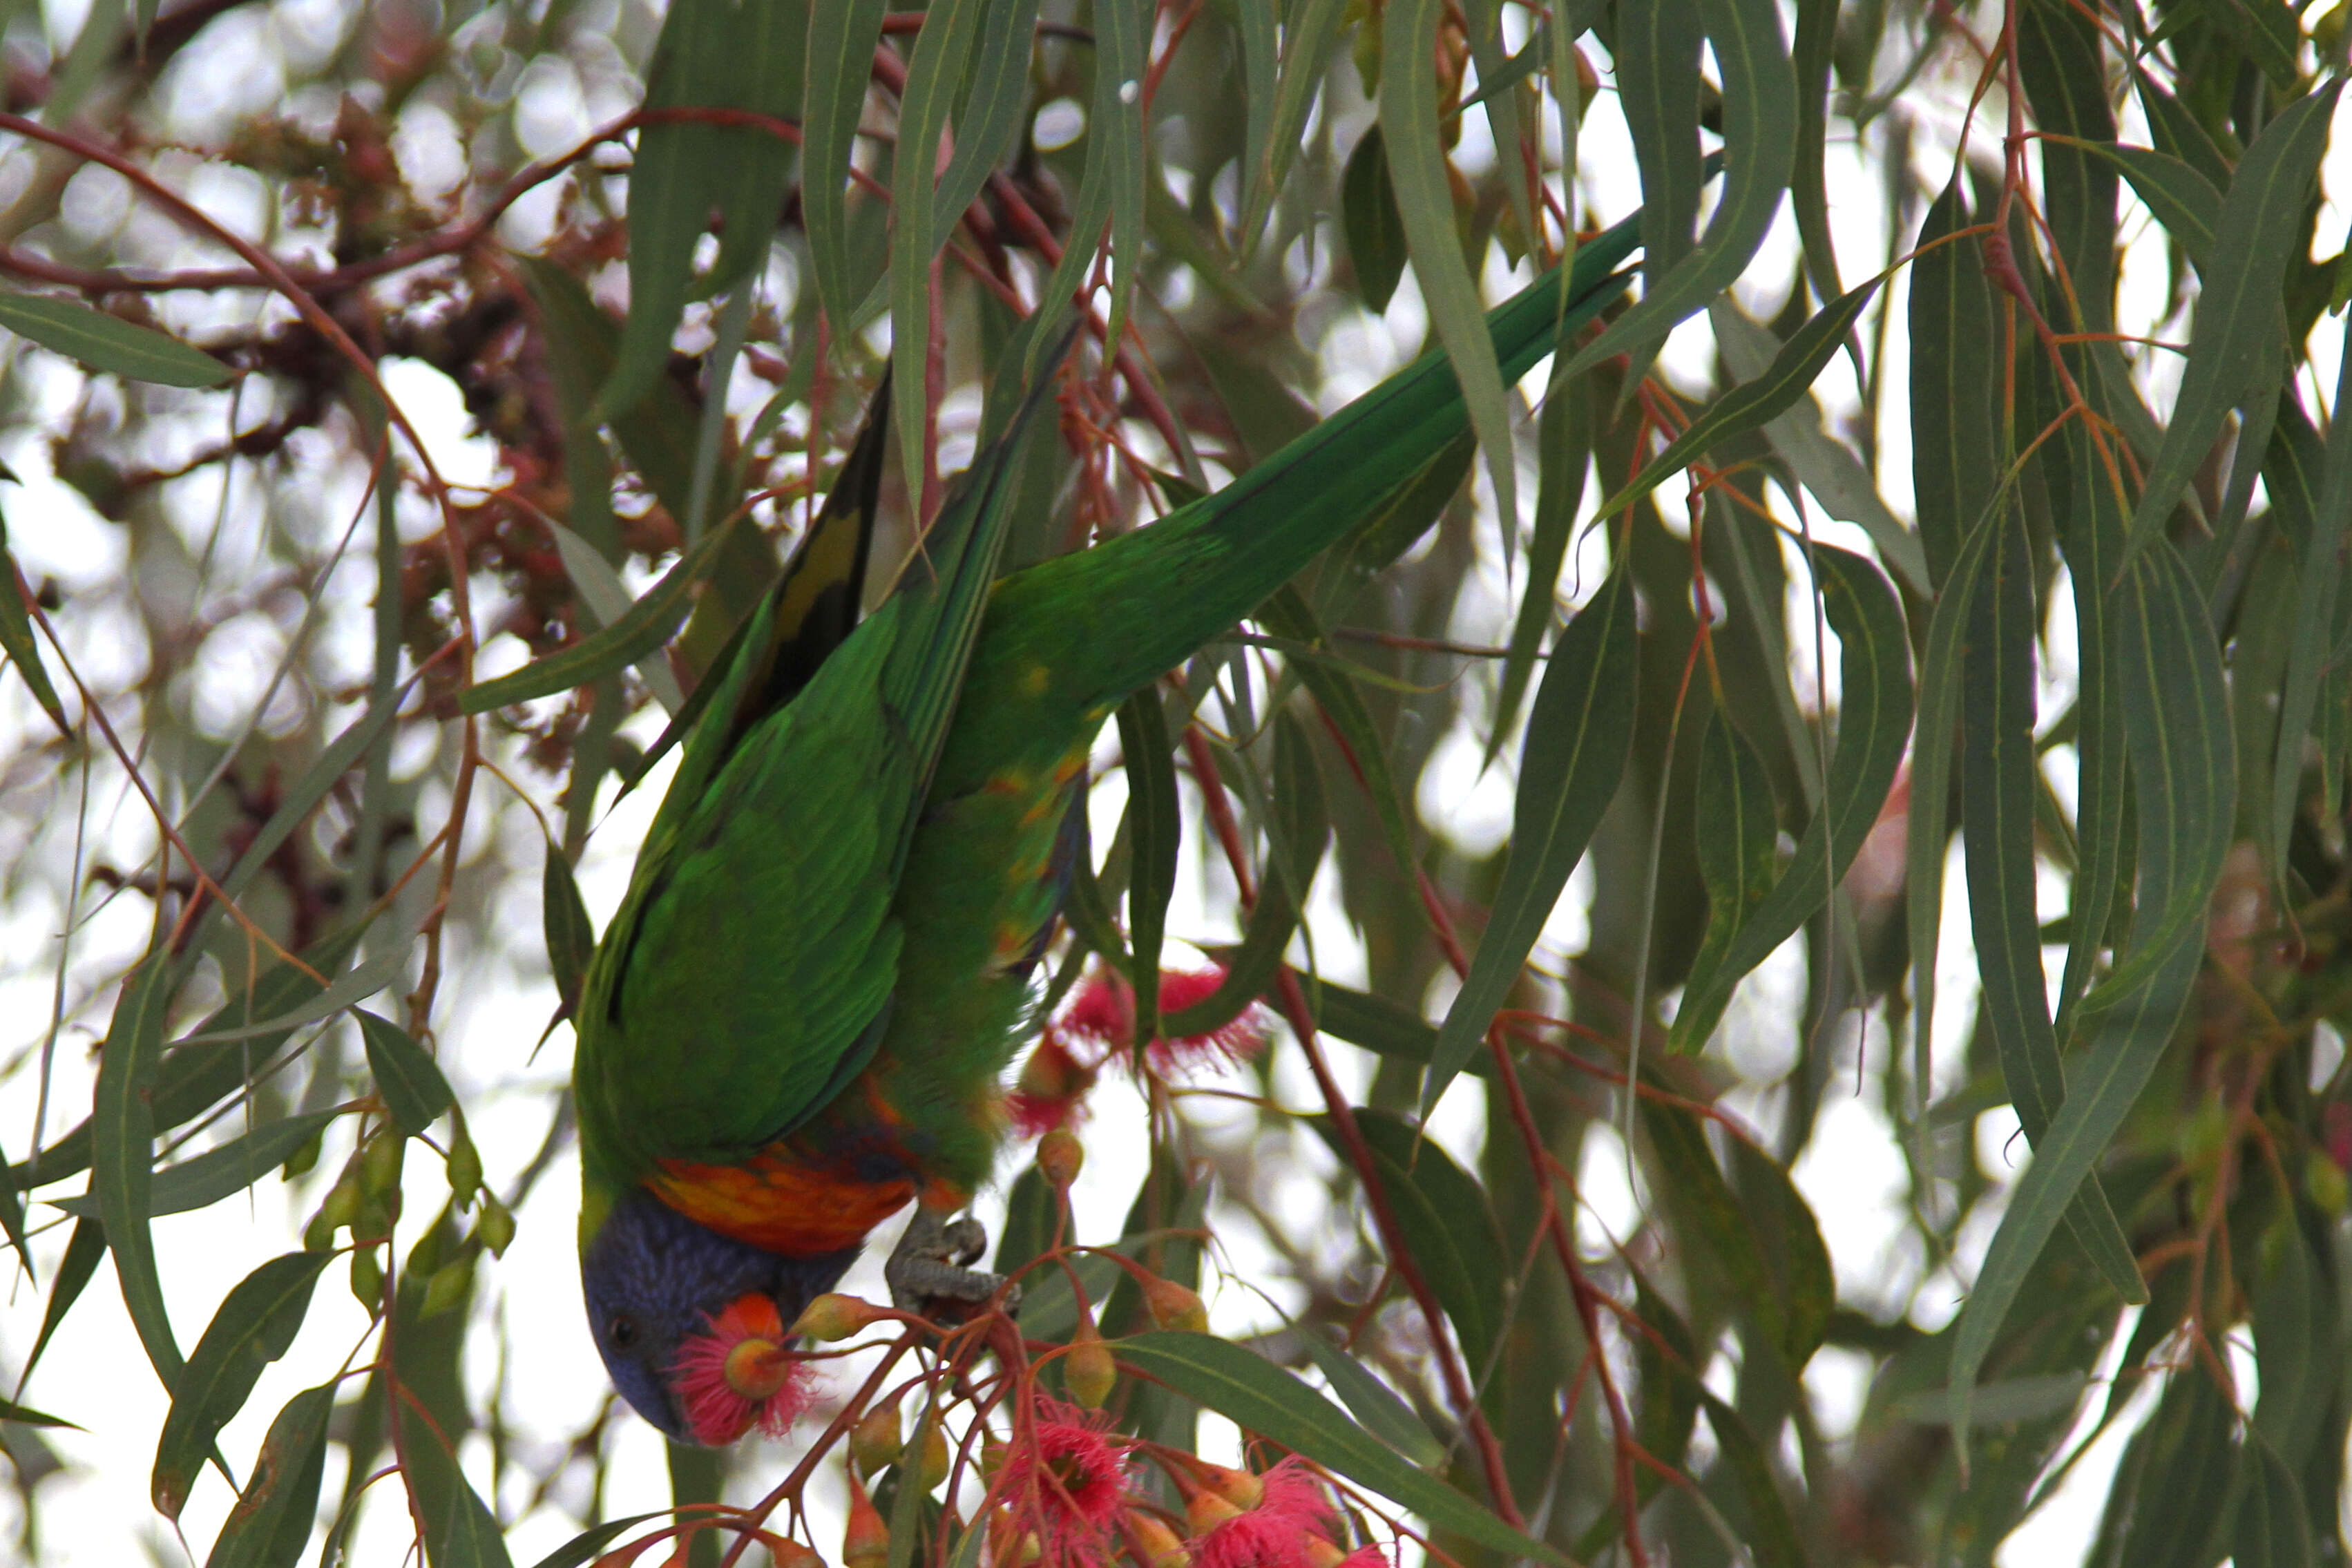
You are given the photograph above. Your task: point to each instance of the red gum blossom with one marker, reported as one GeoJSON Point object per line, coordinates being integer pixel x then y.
{"type": "Point", "coordinates": [738, 1376]}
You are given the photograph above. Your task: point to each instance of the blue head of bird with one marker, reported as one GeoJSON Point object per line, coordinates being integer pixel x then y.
{"type": "Point", "coordinates": [694, 1326]}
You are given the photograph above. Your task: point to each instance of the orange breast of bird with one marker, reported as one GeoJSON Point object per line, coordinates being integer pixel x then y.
{"type": "Point", "coordinates": [778, 1205]}
{"type": "Point", "coordinates": [818, 1191]}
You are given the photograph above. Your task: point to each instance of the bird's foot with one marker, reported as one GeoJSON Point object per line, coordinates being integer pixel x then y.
{"type": "Point", "coordinates": [930, 1270]}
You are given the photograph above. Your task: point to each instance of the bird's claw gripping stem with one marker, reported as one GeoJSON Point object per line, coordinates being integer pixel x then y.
{"type": "Point", "coordinates": [930, 1267]}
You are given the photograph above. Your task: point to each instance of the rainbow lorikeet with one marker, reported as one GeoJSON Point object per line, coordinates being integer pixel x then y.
{"type": "Point", "coordinates": [799, 1021]}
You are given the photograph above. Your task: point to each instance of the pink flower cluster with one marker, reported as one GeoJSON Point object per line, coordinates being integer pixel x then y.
{"type": "Point", "coordinates": [1098, 1025]}
{"type": "Point", "coordinates": [1065, 1487]}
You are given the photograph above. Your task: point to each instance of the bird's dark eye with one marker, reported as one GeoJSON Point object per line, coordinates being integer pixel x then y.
{"type": "Point", "coordinates": [622, 1331]}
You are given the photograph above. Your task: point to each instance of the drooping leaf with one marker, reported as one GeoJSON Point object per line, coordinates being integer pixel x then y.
{"type": "Point", "coordinates": [1424, 197]}
{"type": "Point", "coordinates": [471, 1537]}
{"type": "Point", "coordinates": [270, 1524]}
{"type": "Point", "coordinates": [569, 935]}
{"type": "Point", "coordinates": [84, 1249]}
{"type": "Point", "coordinates": [109, 343]}
{"type": "Point", "coordinates": [1375, 229]}
{"type": "Point", "coordinates": [1373, 1403]}
{"type": "Point", "coordinates": [17, 640]}
{"type": "Point", "coordinates": [841, 39]}
{"type": "Point", "coordinates": [1751, 403]}
{"type": "Point", "coordinates": [2234, 346]}
{"type": "Point", "coordinates": [2273, 1528]}
{"type": "Point", "coordinates": [407, 1077]}
{"type": "Point", "coordinates": [1957, 451]}
{"type": "Point", "coordinates": [256, 1323]}
{"type": "Point", "coordinates": [711, 54]}
{"type": "Point", "coordinates": [1563, 454]}
{"type": "Point", "coordinates": [1444, 1222]}
{"type": "Point", "coordinates": [1760, 133]}
{"type": "Point", "coordinates": [649, 623]}
{"type": "Point", "coordinates": [1999, 781]}
{"type": "Point", "coordinates": [1153, 815]}
{"type": "Point", "coordinates": [1873, 724]}
{"type": "Point", "coordinates": [1580, 732]}
{"type": "Point", "coordinates": [2176, 719]}
{"type": "Point", "coordinates": [122, 1129]}
{"type": "Point", "coordinates": [1735, 832]}
{"type": "Point", "coordinates": [216, 1174]}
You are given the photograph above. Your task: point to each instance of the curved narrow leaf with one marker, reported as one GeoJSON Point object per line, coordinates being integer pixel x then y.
{"type": "Point", "coordinates": [108, 342]}
{"type": "Point", "coordinates": [1311, 31]}
{"type": "Point", "coordinates": [1417, 170]}
{"type": "Point", "coordinates": [2183, 202]}
{"type": "Point", "coordinates": [409, 1079]}
{"type": "Point", "coordinates": [25, 1416]}
{"type": "Point", "coordinates": [1751, 403]}
{"type": "Point", "coordinates": [254, 1325]}
{"type": "Point", "coordinates": [1737, 833]}
{"type": "Point", "coordinates": [17, 639]}
{"type": "Point", "coordinates": [471, 1537]}
{"type": "Point", "coordinates": [1829, 472]}
{"type": "Point", "coordinates": [990, 120]}
{"type": "Point", "coordinates": [1580, 732]}
{"type": "Point", "coordinates": [271, 1523]}
{"type": "Point", "coordinates": [2000, 778]}
{"type": "Point", "coordinates": [1760, 135]}
{"type": "Point", "coordinates": [1563, 454]}
{"type": "Point", "coordinates": [1254, 1393]}
{"type": "Point", "coordinates": [1155, 815]}
{"type": "Point", "coordinates": [123, 1138]}
{"type": "Point", "coordinates": [83, 1250]}
{"type": "Point", "coordinates": [216, 1174]}
{"type": "Point", "coordinates": [711, 54]}
{"type": "Point", "coordinates": [1444, 1221]}
{"type": "Point", "coordinates": [1373, 1403]}
{"type": "Point", "coordinates": [1771, 1534]}
{"type": "Point", "coordinates": [1957, 451]}
{"type": "Point", "coordinates": [841, 38]}
{"type": "Point", "coordinates": [2176, 719]}
{"type": "Point", "coordinates": [648, 624]}
{"type": "Point", "coordinates": [357, 984]}
{"type": "Point", "coordinates": [589, 1544]}
{"type": "Point", "coordinates": [2273, 1527]}
{"type": "Point", "coordinates": [1873, 723]}
{"type": "Point", "coordinates": [2234, 346]}
{"type": "Point", "coordinates": [1369, 217]}
{"type": "Point", "coordinates": [570, 935]}
{"type": "Point", "coordinates": [2317, 587]}
{"type": "Point", "coordinates": [942, 50]}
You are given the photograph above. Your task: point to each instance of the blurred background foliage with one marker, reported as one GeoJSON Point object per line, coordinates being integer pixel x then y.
{"type": "Point", "coordinates": [535, 331]}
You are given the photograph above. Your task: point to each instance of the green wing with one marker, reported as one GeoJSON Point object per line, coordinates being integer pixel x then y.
{"type": "Point", "coordinates": [750, 970]}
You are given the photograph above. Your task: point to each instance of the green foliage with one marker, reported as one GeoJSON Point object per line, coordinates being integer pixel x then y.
{"type": "Point", "coordinates": [1602, 847]}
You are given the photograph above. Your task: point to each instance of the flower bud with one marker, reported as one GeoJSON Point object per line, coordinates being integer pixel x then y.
{"type": "Point", "coordinates": [303, 1158]}
{"type": "Point", "coordinates": [1243, 1489]}
{"type": "Point", "coordinates": [451, 1284]}
{"type": "Point", "coordinates": [873, 1441]}
{"type": "Point", "coordinates": [380, 1162]}
{"type": "Point", "coordinates": [1207, 1510]}
{"type": "Point", "coordinates": [932, 1444]}
{"type": "Point", "coordinates": [1088, 1369]}
{"type": "Point", "coordinates": [1174, 1306]}
{"type": "Point", "coordinates": [867, 1543]}
{"type": "Point", "coordinates": [792, 1555]}
{"type": "Point", "coordinates": [1060, 1156]}
{"type": "Point", "coordinates": [465, 1167]}
{"type": "Point", "coordinates": [496, 1226]}
{"type": "Point", "coordinates": [367, 1280]}
{"type": "Point", "coordinates": [1155, 1544]}
{"type": "Point", "coordinates": [833, 1316]}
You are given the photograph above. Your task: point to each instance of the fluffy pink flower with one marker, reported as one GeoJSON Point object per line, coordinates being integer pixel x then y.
{"type": "Point", "coordinates": [741, 1375]}
{"type": "Point", "coordinates": [1071, 1476]}
{"type": "Point", "coordinates": [1291, 1517]}
{"type": "Point", "coordinates": [1101, 1016]}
